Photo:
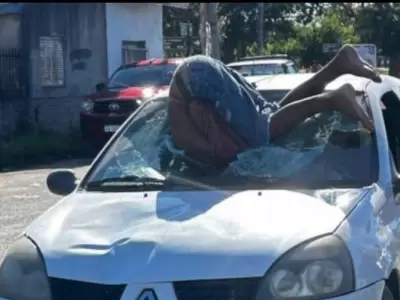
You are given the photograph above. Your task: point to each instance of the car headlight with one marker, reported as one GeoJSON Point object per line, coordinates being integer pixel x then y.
{"type": "Point", "coordinates": [316, 269]}
{"type": "Point", "coordinates": [87, 105]}
{"type": "Point", "coordinates": [23, 273]}
{"type": "Point", "coordinates": [147, 92]}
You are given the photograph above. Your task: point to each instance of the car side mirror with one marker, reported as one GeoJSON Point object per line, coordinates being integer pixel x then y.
{"type": "Point", "coordinates": [61, 182]}
{"type": "Point", "coordinates": [101, 86]}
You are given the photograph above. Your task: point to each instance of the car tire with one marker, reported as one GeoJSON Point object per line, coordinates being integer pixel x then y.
{"type": "Point", "coordinates": [387, 294]}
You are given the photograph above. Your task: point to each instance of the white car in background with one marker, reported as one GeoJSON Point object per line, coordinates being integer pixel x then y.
{"type": "Point", "coordinates": [255, 68]}
{"type": "Point", "coordinates": [146, 225]}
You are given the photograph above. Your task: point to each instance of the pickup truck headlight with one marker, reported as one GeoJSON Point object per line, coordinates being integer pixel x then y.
{"type": "Point", "coordinates": [147, 93]}
{"type": "Point", "coordinates": [317, 269]}
{"type": "Point", "coordinates": [87, 106]}
{"type": "Point", "coordinates": [23, 273]}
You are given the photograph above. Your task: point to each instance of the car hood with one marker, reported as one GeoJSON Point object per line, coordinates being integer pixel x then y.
{"type": "Point", "coordinates": [127, 93]}
{"type": "Point", "coordinates": [170, 236]}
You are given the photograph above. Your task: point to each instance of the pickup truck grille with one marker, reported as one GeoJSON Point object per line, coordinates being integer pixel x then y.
{"type": "Point", "coordinates": [225, 289]}
{"type": "Point", "coordinates": [63, 289]}
{"type": "Point", "coordinates": [115, 106]}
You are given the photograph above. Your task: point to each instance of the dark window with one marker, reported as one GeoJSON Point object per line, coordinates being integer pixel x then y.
{"type": "Point", "coordinates": [291, 69]}
{"type": "Point", "coordinates": [133, 51]}
{"type": "Point", "coordinates": [392, 124]}
{"type": "Point", "coordinates": [259, 69]}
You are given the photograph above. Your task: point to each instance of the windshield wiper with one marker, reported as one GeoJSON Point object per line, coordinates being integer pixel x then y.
{"type": "Point", "coordinates": [128, 182]}
{"type": "Point", "coordinates": [140, 183]}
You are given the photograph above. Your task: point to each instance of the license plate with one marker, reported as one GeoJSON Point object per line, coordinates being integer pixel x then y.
{"type": "Point", "coordinates": [111, 128]}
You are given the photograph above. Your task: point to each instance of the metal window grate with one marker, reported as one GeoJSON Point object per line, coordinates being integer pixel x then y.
{"type": "Point", "coordinates": [133, 51]}
{"type": "Point", "coordinates": [219, 289]}
{"type": "Point", "coordinates": [13, 74]}
{"type": "Point", "coordinates": [52, 61]}
{"type": "Point", "coordinates": [64, 289]}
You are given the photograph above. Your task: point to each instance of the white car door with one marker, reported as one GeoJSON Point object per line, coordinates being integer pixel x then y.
{"type": "Point", "coordinates": [372, 230]}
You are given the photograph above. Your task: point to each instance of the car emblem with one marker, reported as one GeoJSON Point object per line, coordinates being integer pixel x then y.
{"type": "Point", "coordinates": [113, 106]}
{"type": "Point", "coordinates": [147, 294]}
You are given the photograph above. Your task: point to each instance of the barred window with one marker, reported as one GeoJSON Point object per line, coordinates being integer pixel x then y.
{"type": "Point", "coordinates": [133, 51]}
{"type": "Point", "coordinates": [51, 61]}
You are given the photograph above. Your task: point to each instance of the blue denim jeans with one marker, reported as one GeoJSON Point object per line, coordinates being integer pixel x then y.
{"type": "Point", "coordinates": [235, 100]}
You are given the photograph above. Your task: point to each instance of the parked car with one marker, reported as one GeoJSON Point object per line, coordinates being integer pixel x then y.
{"type": "Point", "coordinates": [321, 221]}
{"type": "Point", "coordinates": [129, 86]}
{"type": "Point", "coordinates": [255, 68]}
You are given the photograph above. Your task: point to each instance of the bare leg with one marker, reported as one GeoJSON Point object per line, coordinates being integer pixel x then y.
{"type": "Point", "coordinates": [346, 61]}
{"type": "Point", "coordinates": [291, 115]}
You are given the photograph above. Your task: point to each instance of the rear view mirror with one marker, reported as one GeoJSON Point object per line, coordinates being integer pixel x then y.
{"type": "Point", "coordinates": [101, 86]}
{"type": "Point", "coordinates": [61, 182]}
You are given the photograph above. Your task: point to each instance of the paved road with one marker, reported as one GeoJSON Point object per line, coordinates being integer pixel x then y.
{"type": "Point", "coordinates": [23, 196]}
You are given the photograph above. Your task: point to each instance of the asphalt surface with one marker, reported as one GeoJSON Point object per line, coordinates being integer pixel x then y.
{"type": "Point", "coordinates": [24, 196]}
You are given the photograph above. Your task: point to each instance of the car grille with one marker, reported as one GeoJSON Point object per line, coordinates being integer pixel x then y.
{"type": "Point", "coordinates": [124, 107]}
{"type": "Point", "coordinates": [226, 289]}
{"type": "Point", "coordinates": [63, 289]}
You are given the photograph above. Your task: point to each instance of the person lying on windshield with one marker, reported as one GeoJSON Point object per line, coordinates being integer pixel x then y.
{"type": "Point", "coordinates": [215, 113]}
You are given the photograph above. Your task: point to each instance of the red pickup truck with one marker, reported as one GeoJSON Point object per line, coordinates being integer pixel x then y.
{"type": "Point", "coordinates": [129, 86]}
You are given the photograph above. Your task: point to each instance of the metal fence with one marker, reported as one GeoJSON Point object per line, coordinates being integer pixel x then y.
{"type": "Point", "coordinates": [13, 74]}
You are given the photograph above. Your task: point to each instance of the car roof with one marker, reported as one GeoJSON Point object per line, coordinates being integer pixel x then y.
{"type": "Point", "coordinates": [259, 62]}
{"type": "Point", "coordinates": [154, 62]}
{"type": "Point", "coordinates": [290, 81]}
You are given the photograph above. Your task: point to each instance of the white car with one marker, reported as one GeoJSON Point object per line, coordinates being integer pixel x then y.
{"type": "Point", "coordinates": [257, 67]}
{"type": "Point", "coordinates": [147, 225]}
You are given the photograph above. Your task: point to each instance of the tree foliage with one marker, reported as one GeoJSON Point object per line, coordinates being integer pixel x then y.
{"type": "Point", "coordinates": [379, 23]}
{"type": "Point", "coordinates": [301, 29]}
{"type": "Point", "coordinates": [307, 41]}
{"type": "Point", "coordinates": [239, 29]}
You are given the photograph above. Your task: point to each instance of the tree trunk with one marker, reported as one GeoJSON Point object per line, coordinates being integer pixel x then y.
{"type": "Point", "coordinates": [214, 26]}
{"type": "Point", "coordinates": [209, 19]}
{"type": "Point", "coordinates": [202, 27]}
{"type": "Point", "coordinates": [261, 28]}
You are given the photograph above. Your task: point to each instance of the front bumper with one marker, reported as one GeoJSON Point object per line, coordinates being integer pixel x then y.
{"type": "Point", "coordinates": [92, 126]}
{"type": "Point", "coordinates": [371, 292]}
{"type": "Point", "coordinates": [165, 291]}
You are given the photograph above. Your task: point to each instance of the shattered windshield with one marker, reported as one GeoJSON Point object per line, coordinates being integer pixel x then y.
{"type": "Point", "coordinates": [327, 150]}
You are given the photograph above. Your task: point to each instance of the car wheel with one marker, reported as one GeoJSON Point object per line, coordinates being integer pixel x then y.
{"type": "Point", "coordinates": [387, 294]}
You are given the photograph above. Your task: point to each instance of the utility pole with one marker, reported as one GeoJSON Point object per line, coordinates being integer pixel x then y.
{"type": "Point", "coordinates": [261, 28]}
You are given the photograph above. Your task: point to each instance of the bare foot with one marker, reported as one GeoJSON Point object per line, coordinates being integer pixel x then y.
{"type": "Point", "coordinates": [347, 61]}
{"type": "Point", "coordinates": [345, 101]}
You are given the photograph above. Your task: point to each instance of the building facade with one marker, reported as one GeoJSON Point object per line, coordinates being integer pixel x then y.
{"type": "Point", "coordinates": [65, 50]}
